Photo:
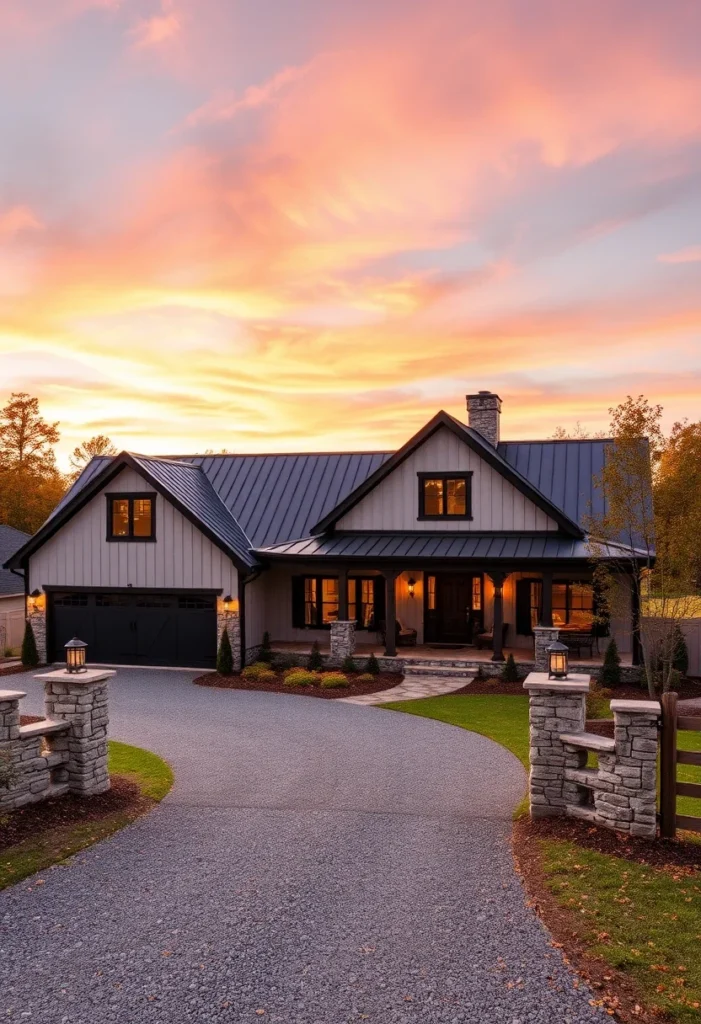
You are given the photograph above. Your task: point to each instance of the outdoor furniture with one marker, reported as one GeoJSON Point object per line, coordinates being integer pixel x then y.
{"type": "Point", "coordinates": [404, 636]}
{"type": "Point", "coordinates": [487, 639]}
{"type": "Point", "coordinates": [576, 639]}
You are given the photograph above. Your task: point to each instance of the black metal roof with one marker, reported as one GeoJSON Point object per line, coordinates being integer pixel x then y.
{"type": "Point", "coordinates": [11, 540]}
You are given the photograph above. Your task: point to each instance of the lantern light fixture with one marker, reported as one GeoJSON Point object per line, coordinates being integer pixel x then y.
{"type": "Point", "coordinates": [75, 655]}
{"type": "Point", "coordinates": [558, 658]}
{"type": "Point", "coordinates": [227, 602]}
{"type": "Point", "coordinates": [35, 594]}
{"type": "Point", "coordinates": [411, 583]}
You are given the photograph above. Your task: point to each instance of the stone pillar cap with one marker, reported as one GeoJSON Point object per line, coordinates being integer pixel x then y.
{"type": "Point", "coordinates": [12, 694]}
{"type": "Point", "coordinates": [539, 681]}
{"type": "Point", "coordinates": [640, 707]}
{"type": "Point", "coordinates": [93, 675]}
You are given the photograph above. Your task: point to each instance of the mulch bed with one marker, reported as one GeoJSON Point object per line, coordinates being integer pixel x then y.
{"type": "Point", "coordinates": [382, 681]}
{"type": "Point", "coordinates": [30, 822]}
{"type": "Point", "coordinates": [614, 988]}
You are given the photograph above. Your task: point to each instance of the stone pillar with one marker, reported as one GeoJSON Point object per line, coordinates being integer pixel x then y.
{"type": "Point", "coordinates": [80, 699]}
{"type": "Point", "coordinates": [630, 804]}
{"type": "Point", "coordinates": [543, 637]}
{"type": "Point", "coordinates": [230, 621]}
{"type": "Point", "coordinates": [36, 615]}
{"type": "Point", "coordinates": [555, 707]}
{"type": "Point", "coordinates": [342, 644]}
{"type": "Point", "coordinates": [9, 745]}
{"type": "Point", "coordinates": [391, 613]}
{"type": "Point", "coordinates": [498, 620]}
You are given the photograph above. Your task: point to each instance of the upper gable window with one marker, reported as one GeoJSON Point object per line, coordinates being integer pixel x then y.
{"type": "Point", "coordinates": [131, 517]}
{"type": "Point", "coordinates": [445, 495]}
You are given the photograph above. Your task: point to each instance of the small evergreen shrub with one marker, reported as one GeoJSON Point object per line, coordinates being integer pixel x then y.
{"type": "Point", "coordinates": [509, 673]}
{"type": "Point", "coordinates": [302, 677]}
{"type": "Point", "coordinates": [30, 655]}
{"type": "Point", "coordinates": [373, 665]}
{"type": "Point", "coordinates": [315, 662]}
{"type": "Point", "coordinates": [333, 680]}
{"type": "Point", "coordinates": [259, 672]}
{"type": "Point", "coordinates": [610, 672]}
{"type": "Point", "coordinates": [680, 655]}
{"type": "Point", "coordinates": [266, 652]}
{"type": "Point", "coordinates": [366, 677]}
{"type": "Point", "coordinates": [348, 664]}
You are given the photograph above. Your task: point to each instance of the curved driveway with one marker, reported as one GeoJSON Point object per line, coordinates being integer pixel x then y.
{"type": "Point", "coordinates": [315, 863]}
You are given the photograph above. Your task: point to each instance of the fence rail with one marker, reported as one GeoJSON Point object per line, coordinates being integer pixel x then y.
{"type": "Point", "coordinates": [670, 757]}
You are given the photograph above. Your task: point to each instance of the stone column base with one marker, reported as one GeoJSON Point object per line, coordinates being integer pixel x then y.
{"type": "Point", "coordinates": [544, 636]}
{"type": "Point", "coordinates": [231, 622]}
{"type": "Point", "coordinates": [342, 643]}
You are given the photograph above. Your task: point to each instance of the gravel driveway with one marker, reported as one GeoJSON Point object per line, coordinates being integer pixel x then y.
{"type": "Point", "coordinates": [315, 863]}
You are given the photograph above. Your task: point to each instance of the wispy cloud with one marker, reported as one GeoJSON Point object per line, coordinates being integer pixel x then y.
{"type": "Point", "coordinates": [157, 29]}
{"type": "Point", "coordinates": [16, 219]}
{"type": "Point", "coordinates": [225, 106]}
{"type": "Point", "coordinates": [692, 254]}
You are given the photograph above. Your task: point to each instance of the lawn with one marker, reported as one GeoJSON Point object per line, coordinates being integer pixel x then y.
{"type": "Point", "coordinates": [61, 828]}
{"type": "Point", "coordinates": [643, 921]}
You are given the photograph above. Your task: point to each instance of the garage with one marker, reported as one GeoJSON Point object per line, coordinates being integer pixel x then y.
{"type": "Point", "coordinates": [131, 627]}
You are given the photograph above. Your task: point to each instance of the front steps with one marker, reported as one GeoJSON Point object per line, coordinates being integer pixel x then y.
{"type": "Point", "coordinates": [438, 671]}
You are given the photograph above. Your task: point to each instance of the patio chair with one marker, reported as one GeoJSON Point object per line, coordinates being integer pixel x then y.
{"type": "Point", "coordinates": [404, 636]}
{"type": "Point", "coordinates": [576, 639]}
{"type": "Point", "coordinates": [487, 639]}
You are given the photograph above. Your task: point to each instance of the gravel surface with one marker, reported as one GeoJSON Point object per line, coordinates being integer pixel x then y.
{"type": "Point", "coordinates": [315, 863]}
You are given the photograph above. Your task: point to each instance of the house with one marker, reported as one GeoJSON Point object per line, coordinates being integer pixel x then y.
{"type": "Point", "coordinates": [147, 559]}
{"type": "Point", "coordinates": [11, 591]}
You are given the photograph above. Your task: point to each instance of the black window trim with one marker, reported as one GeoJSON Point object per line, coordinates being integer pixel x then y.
{"type": "Point", "coordinates": [131, 497]}
{"type": "Point", "coordinates": [445, 476]}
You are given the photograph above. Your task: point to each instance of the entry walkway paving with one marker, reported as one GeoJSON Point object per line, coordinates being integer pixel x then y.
{"type": "Point", "coordinates": [412, 688]}
{"type": "Point", "coordinates": [315, 863]}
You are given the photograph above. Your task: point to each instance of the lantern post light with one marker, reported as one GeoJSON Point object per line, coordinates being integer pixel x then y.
{"type": "Point", "coordinates": [75, 655]}
{"type": "Point", "coordinates": [558, 658]}
{"type": "Point", "coordinates": [411, 583]}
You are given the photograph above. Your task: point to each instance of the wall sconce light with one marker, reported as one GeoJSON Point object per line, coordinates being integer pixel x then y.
{"type": "Point", "coordinates": [411, 583]}
{"type": "Point", "coordinates": [75, 655]}
{"type": "Point", "coordinates": [558, 658]}
{"type": "Point", "coordinates": [36, 600]}
{"type": "Point", "coordinates": [230, 604]}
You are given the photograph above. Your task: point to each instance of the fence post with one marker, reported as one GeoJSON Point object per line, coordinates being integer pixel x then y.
{"type": "Point", "coordinates": [668, 767]}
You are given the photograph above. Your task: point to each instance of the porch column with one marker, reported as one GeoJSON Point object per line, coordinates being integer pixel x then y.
{"type": "Point", "coordinates": [343, 595]}
{"type": "Point", "coordinates": [635, 620]}
{"type": "Point", "coordinates": [497, 579]}
{"type": "Point", "coordinates": [391, 613]}
{"type": "Point", "coordinates": [546, 618]}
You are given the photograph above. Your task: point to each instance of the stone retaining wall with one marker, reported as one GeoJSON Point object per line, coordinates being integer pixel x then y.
{"type": "Point", "coordinates": [64, 753]}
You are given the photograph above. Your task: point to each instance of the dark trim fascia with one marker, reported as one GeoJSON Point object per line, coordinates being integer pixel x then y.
{"type": "Point", "coordinates": [484, 451]}
{"type": "Point", "coordinates": [111, 496]}
{"type": "Point", "coordinates": [98, 482]}
{"type": "Point", "coordinates": [313, 564]}
{"type": "Point", "coordinates": [54, 588]}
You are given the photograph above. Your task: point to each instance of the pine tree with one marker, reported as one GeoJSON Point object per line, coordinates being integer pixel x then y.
{"type": "Point", "coordinates": [348, 665]}
{"type": "Point", "coordinates": [509, 673]}
{"type": "Point", "coordinates": [610, 674]}
{"type": "Point", "coordinates": [373, 665]}
{"type": "Point", "coordinates": [315, 662]}
{"type": "Point", "coordinates": [225, 660]}
{"type": "Point", "coordinates": [30, 655]}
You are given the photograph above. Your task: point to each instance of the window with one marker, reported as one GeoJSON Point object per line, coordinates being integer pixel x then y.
{"type": "Point", "coordinates": [315, 600]}
{"type": "Point", "coordinates": [361, 601]}
{"type": "Point", "coordinates": [573, 604]}
{"type": "Point", "coordinates": [431, 593]}
{"type": "Point", "coordinates": [477, 593]}
{"type": "Point", "coordinates": [444, 496]}
{"type": "Point", "coordinates": [131, 517]}
{"type": "Point", "coordinates": [329, 601]}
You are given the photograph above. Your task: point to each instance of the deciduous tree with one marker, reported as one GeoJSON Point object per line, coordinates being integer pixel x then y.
{"type": "Point", "coordinates": [83, 453]}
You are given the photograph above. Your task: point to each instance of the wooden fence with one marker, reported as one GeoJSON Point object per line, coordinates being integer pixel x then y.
{"type": "Point", "coordinates": [670, 757]}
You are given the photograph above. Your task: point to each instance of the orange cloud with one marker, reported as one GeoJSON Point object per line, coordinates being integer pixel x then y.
{"type": "Point", "coordinates": [225, 106]}
{"type": "Point", "coordinates": [16, 219]}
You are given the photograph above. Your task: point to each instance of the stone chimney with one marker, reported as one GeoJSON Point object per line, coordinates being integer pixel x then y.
{"type": "Point", "coordinates": [483, 414]}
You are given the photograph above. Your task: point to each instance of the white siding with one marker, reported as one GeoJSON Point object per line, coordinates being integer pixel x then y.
{"type": "Point", "coordinates": [181, 557]}
{"type": "Point", "coordinates": [496, 504]}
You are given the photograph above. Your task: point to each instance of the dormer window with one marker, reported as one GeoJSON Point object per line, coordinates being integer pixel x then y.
{"type": "Point", "coordinates": [131, 517]}
{"type": "Point", "coordinates": [445, 496]}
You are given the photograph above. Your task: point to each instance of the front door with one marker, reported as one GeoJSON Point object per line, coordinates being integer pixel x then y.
{"type": "Point", "coordinates": [453, 608]}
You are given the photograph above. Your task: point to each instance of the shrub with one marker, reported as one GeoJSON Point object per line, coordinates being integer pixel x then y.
{"type": "Point", "coordinates": [373, 665]}
{"type": "Point", "coordinates": [266, 652]}
{"type": "Point", "coordinates": [332, 680]}
{"type": "Point", "coordinates": [366, 677]}
{"type": "Point", "coordinates": [30, 655]}
{"type": "Point", "coordinates": [315, 662]}
{"type": "Point", "coordinates": [348, 664]}
{"type": "Point", "coordinates": [680, 656]}
{"type": "Point", "coordinates": [610, 672]}
{"type": "Point", "coordinates": [302, 677]}
{"type": "Point", "coordinates": [259, 672]}
{"type": "Point", "coordinates": [509, 673]}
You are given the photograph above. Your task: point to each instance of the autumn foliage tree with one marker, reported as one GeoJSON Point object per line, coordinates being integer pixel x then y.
{"type": "Point", "coordinates": [83, 453]}
{"type": "Point", "coordinates": [30, 482]}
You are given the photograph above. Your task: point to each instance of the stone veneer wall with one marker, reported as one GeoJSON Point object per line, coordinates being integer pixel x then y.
{"type": "Point", "coordinates": [555, 708]}
{"type": "Point", "coordinates": [342, 640]}
{"type": "Point", "coordinates": [543, 637]}
{"type": "Point", "coordinates": [64, 753]}
{"type": "Point", "coordinates": [230, 621]}
{"type": "Point", "coordinates": [37, 617]}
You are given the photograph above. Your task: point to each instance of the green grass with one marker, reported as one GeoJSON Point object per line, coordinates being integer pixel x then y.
{"type": "Point", "coordinates": [51, 846]}
{"type": "Point", "coordinates": [643, 921]}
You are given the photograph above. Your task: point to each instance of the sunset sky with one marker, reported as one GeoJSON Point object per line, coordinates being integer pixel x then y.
{"type": "Point", "coordinates": [268, 225]}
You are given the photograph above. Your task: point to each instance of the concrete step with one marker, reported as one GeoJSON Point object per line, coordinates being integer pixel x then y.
{"type": "Point", "coordinates": [577, 811]}
{"type": "Point", "coordinates": [589, 741]}
{"type": "Point", "coordinates": [439, 672]}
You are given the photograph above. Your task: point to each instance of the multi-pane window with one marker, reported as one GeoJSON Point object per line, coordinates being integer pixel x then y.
{"type": "Point", "coordinates": [477, 593]}
{"type": "Point", "coordinates": [361, 601]}
{"type": "Point", "coordinates": [310, 601]}
{"type": "Point", "coordinates": [431, 593]}
{"type": "Point", "coordinates": [444, 496]}
{"type": "Point", "coordinates": [573, 604]}
{"type": "Point", "coordinates": [131, 517]}
{"type": "Point", "coordinates": [321, 604]}
{"type": "Point", "coordinates": [329, 601]}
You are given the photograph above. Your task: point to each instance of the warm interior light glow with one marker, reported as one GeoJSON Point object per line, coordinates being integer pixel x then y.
{"type": "Point", "coordinates": [75, 655]}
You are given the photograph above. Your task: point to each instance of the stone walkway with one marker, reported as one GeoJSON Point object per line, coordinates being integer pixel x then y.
{"type": "Point", "coordinates": [413, 688]}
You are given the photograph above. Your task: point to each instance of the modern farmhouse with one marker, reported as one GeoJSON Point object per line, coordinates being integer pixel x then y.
{"type": "Point", "coordinates": [458, 540]}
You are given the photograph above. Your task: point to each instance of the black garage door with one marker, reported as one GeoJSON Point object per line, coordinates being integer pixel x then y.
{"type": "Point", "coordinates": [137, 628]}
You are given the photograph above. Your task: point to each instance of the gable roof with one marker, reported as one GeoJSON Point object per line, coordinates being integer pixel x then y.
{"type": "Point", "coordinates": [182, 483]}
{"type": "Point", "coordinates": [474, 440]}
{"type": "Point", "coordinates": [10, 541]}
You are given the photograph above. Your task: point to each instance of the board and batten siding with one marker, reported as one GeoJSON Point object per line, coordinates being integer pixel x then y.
{"type": "Point", "coordinates": [496, 503]}
{"type": "Point", "coordinates": [79, 555]}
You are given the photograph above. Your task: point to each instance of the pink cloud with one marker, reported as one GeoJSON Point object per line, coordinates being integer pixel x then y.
{"type": "Point", "coordinates": [16, 219]}
{"type": "Point", "coordinates": [692, 254]}
{"type": "Point", "coordinates": [158, 29]}
{"type": "Point", "coordinates": [227, 105]}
